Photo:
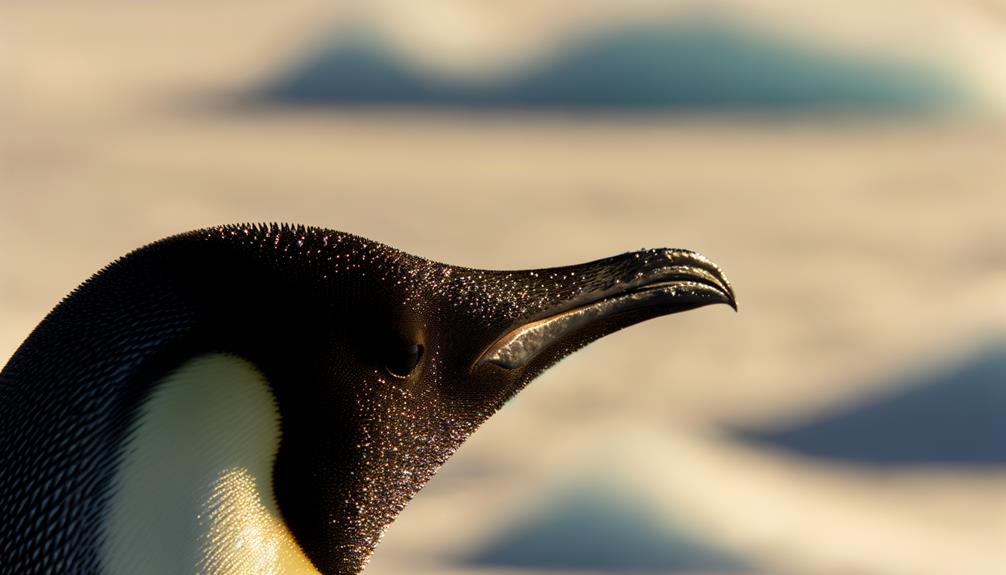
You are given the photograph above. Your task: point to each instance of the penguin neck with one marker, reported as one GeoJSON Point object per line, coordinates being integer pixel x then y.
{"type": "Point", "coordinates": [193, 492]}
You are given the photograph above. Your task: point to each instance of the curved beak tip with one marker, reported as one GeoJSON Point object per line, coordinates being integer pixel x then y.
{"type": "Point", "coordinates": [732, 302]}
{"type": "Point", "coordinates": [731, 297]}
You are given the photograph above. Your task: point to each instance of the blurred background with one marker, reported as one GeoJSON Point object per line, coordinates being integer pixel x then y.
{"type": "Point", "coordinates": [844, 162]}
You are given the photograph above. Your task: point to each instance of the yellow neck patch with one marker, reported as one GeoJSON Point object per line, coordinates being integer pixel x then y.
{"type": "Point", "coordinates": [193, 493]}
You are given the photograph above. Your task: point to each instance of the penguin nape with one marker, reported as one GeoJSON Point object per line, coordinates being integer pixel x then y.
{"type": "Point", "coordinates": [266, 399]}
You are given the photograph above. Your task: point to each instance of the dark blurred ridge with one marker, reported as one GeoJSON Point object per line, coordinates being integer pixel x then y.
{"type": "Point", "coordinates": [595, 529]}
{"type": "Point", "coordinates": [954, 417]}
{"type": "Point", "coordinates": [704, 65]}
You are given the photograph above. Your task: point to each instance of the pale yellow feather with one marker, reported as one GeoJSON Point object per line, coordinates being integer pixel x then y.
{"type": "Point", "coordinates": [193, 493]}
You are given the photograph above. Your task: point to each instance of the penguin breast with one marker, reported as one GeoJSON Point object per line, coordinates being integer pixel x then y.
{"type": "Point", "coordinates": [193, 490]}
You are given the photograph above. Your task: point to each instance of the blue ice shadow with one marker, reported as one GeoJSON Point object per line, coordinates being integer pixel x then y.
{"type": "Point", "coordinates": [594, 530]}
{"type": "Point", "coordinates": [703, 65]}
{"type": "Point", "coordinates": [956, 416]}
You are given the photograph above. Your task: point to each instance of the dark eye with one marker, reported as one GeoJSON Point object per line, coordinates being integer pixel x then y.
{"type": "Point", "coordinates": [401, 362]}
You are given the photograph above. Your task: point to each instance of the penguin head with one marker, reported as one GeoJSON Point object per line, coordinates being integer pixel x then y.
{"type": "Point", "coordinates": [379, 363]}
{"type": "Point", "coordinates": [383, 363]}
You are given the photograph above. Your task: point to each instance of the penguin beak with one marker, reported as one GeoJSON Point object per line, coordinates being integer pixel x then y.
{"type": "Point", "coordinates": [614, 293]}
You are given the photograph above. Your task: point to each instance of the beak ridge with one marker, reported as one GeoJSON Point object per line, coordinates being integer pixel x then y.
{"type": "Point", "coordinates": [621, 291]}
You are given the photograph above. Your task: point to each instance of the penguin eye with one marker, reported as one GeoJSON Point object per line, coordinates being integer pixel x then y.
{"type": "Point", "coordinates": [401, 363]}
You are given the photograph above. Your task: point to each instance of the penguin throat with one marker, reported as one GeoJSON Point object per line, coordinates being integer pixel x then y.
{"type": "Point", "coordinates": [193, 492]}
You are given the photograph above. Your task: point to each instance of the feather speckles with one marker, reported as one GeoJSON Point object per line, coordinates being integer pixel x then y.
{"type": "Point", "coordinates": [316, 313]}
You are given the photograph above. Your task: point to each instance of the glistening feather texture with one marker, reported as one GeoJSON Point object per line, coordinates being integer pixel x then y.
{"type": "Point", "coordinates": [371, 356]}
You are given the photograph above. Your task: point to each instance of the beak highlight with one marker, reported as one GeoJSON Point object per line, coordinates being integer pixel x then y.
{"type": "Point", "coordinates": [632, 288]}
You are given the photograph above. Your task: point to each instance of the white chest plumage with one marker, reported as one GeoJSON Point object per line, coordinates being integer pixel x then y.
{"type": "Point", "coordinates": [193, 493]}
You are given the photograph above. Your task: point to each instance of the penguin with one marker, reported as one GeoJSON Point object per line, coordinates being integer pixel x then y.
{"type": "Point", "coordinates": [251, 399]}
